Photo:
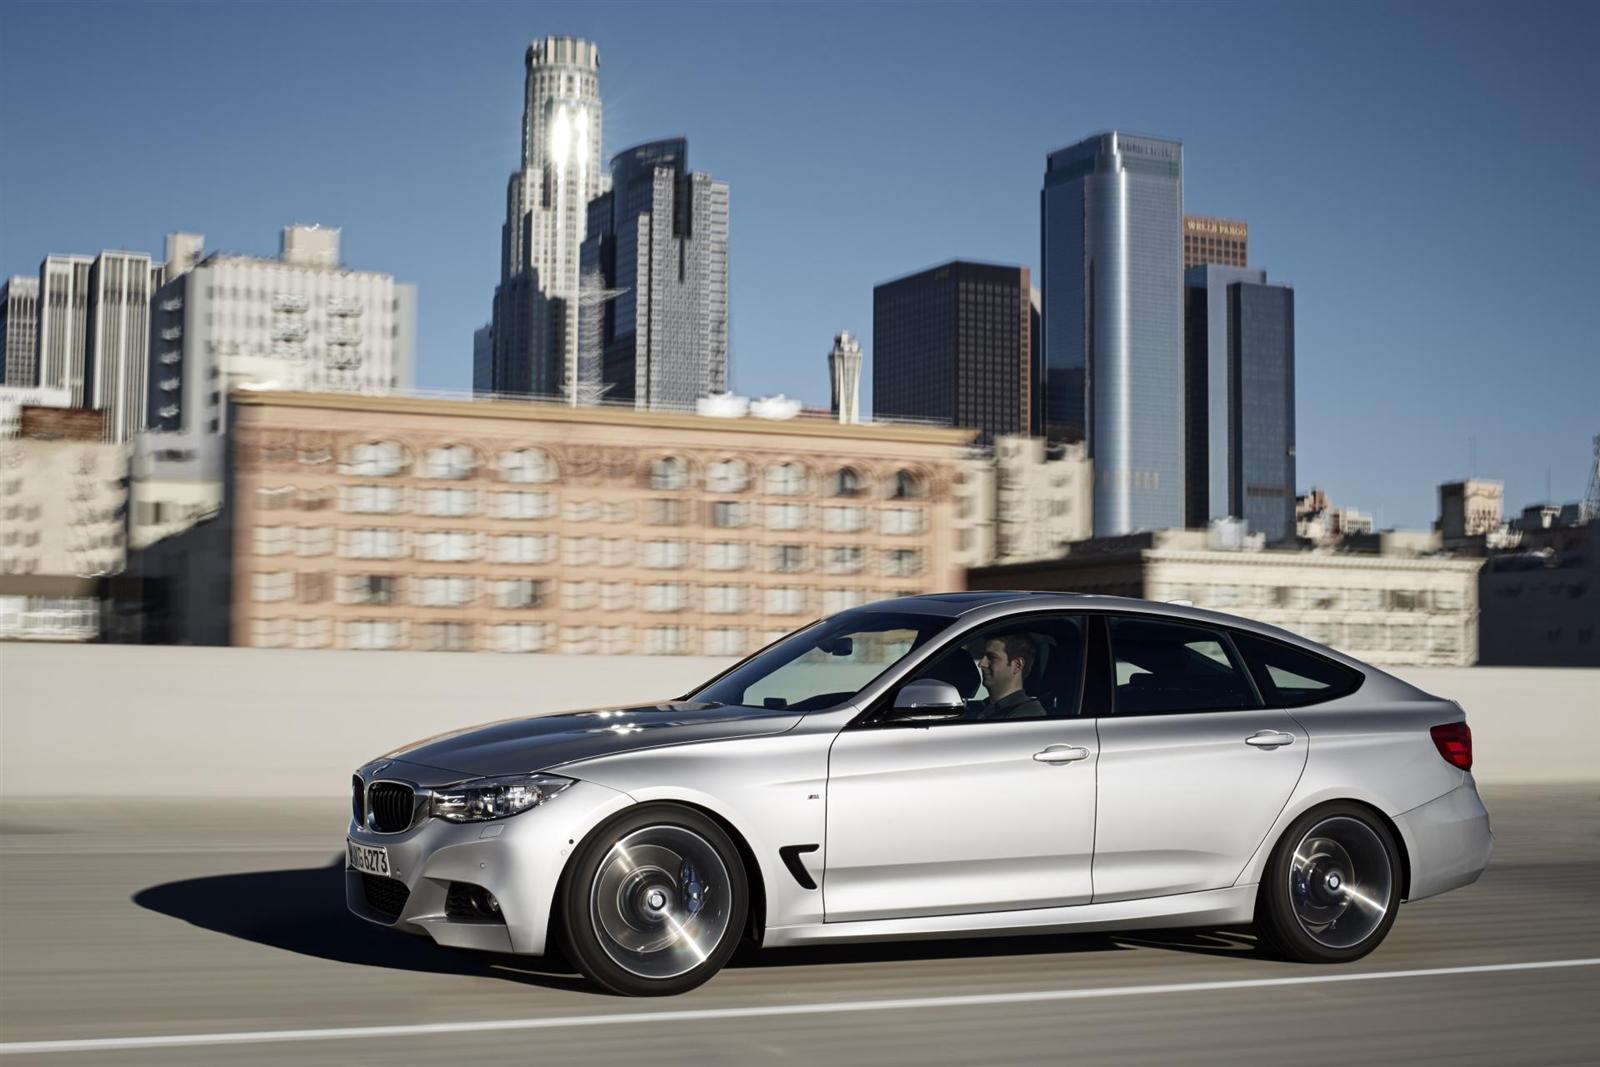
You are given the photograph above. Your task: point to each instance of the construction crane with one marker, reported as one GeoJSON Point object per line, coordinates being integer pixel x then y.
{"type": "Point", "coordinates": [1591, 500]}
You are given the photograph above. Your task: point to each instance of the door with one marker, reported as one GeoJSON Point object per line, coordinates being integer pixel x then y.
{"type": "Point", "coordinates": [1193, 770]}
{"type": "Point", "coordinates": [988, 809]}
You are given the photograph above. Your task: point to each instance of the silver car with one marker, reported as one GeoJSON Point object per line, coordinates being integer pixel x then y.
{"type": "Point", "coordinates": [946, 765]}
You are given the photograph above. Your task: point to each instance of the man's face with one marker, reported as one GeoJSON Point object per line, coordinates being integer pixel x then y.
{"type": "Point", "coordinates": [998, 670]}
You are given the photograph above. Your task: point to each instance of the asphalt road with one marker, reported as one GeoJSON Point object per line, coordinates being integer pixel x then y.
{"type": "Point", "coordinates": [220, 919]}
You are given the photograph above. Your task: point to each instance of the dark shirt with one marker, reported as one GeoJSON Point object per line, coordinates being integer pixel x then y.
{"type": "Point", "coordinates": [1014, 705]}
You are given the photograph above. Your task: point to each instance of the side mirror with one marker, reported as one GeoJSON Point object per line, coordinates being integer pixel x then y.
{"type": "Point", "coordinates": [929, 695]}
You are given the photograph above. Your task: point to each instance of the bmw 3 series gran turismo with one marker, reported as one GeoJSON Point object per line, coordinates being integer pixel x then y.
{"type": "Point", "coordinates": [946, 765]}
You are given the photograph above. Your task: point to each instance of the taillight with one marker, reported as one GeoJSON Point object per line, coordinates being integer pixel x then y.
{"type": "Point", "coordinates": [1454, 742]}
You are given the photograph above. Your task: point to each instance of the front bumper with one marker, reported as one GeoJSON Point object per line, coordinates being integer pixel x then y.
{"type": "Point", "coordinates": [1448, 840]}
{"type": "Point", "coordinates": [518, 859]}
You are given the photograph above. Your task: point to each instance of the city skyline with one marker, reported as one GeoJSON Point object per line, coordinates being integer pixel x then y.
{"type": "Point", "coordinates": [1390, 274]}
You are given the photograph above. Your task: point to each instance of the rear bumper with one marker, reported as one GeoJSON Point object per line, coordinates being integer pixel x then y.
{"type": "Point", "coordinates": [518, 859]}
{"type": "Point", "coordinates": [1448, 841]}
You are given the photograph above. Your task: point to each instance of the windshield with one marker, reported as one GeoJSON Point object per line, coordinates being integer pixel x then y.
{"type": "Point", "coordinates": [825, 663]}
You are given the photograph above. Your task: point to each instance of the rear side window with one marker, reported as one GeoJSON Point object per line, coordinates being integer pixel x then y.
{"type": "Point", "coordinates": [1291, 677]}
{"type": "Point", "coordinates": [1164, 668]}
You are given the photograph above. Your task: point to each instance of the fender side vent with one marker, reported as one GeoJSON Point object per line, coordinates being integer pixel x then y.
{"type": "Point", "coordinates": [791, 859]}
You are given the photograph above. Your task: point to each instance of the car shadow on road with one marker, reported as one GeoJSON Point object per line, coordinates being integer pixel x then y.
{"type": "Point", "coordinates": [302, 910]}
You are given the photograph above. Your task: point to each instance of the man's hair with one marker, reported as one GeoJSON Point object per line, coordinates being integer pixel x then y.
{"type": "Point", "coordinates": [1021, 646]}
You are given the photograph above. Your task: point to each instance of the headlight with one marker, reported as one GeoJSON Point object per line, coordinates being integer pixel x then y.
{"type": "Point", "coordinates": [495, 798]}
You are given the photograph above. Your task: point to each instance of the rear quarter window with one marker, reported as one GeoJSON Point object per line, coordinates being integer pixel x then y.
{"type": "Point", "coordinates": [1291, 677]}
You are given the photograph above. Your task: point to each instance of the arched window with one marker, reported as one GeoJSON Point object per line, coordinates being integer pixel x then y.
{"type": "Point", "coordinates": [452, 462]}
{"type": "Point", "coordinates": [786, 479]}
{"type": "Point", "coordinates": [669, 472]}
{"type": "Point", "coordinates": [375, 459]}
{"type": "Point", "coordinates": [847, 482]}
{"type": "Point", "coordinates": [728, 476]}
{"type": "Point", "coordinates": [907, 486]}
{"type": "Point", "coordinates": [527, 465]}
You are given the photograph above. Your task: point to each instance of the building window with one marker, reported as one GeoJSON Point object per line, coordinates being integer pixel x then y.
{"type": "Point", "coordinates": [616, 596]}
{"type": "Point", "coordinates": [786, 479]}
{"type": "Point", "coordinates": [274, 499]}
{"type": "Point", "coordinates": [846, 559]}
{"type": "Point", "coordinates": [728, 476]}
{"type": "Point", "coordinates": [665, 596]}
{"type": "Point", "coordinates": [785, 600]}
{"type": "Point", "coordinates": [371, 499]}
{"type": "Point", "coordinates": [524, 548]}
{"type": "Point", "coordinates": [847, 482]}
{"type": "Point", "coordinates": [534, 504]}
{"type": "Point", "coordinates": [729, 514]}
{"type": "Point", "coordinates": [836, 600]}
{"type": "Point", "coordinates": [902, 521]}
{"type": "Point", "coordinates": [374, 459]}
{"type": "Point", "coordinates": [269, 633]}
{"type": "Point", "coordinates": [580, 551]}
{"type": "Point", "coordinates": [843, 519]}
{"type": "Point", "coordinates": [449, 503]}
{"type": "Point", "coordinates": [518, 593]}
{"type": "Point", "coordinates": [786, 516]}
{"type": "Point", "coordinates": [580, 640]}
{"type": "Point", "coordinates": [367, 588]}
{"type": "Point", "coordinates": [727, 556]}
{"type": "Point", "coordinates": [451, 462]}
{"type": "Point", "coordinates": [368, 634]}
{"type": "Point", "coordinates": [313, 633]}
{"type": "Point", "coordinates": [273, 540]}
{"type": "Point", "coordinates": [445, 637]}
{"type": "Point", "coordinates": [725, 599]}
{"type": "Point", "coordinates": [667, 641]}
{"type": "Point", "coordinates": [725, 641]}
{"type": "Point", "coordinates": [520, 637]}
{"type": "Point", "coordinates": [665, 555]}
{"type": "Point", "coordinates": [530, 465]}
{"type": "Point", "coordinates": [268, 586]}
{"type": "Point", "coordinates": [616, 551]}
{"type": "Point", "coordinates": [666, 512]}
{"type": "Point", "coordinates": [380, 543]}
{"type": "Point", "coordinates": [579, 596]}
{"type": "Point", "coordinates": [581, 511]}
{"type": "Point", "coordinates": [669, 472]}
{"type": "Point", "coordinates": [448, 546]}
{"type": "Point", "coordinates": [311, 587]}
{"type": "Point", "coordinates": [313, 540]}
{"type": "Point", "coordinates": [444, 591]}
{"type": "Point", "coordinates": [786, 559]}
{"type": "Point", "coordinates": [902, 562]}
{"type": "Point", "coordinates": [906, 486]}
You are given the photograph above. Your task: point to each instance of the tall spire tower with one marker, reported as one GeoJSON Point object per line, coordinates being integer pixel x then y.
{"type": "Point", "coordinates": [535, 332]}
{"type": "Point", "coordinates": [844, 368]}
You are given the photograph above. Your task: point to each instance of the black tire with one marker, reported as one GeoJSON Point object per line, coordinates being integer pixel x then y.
{"type": "Point", "coordinates": [635, 926]}
{"type": "Point", "coordinates": [1348, 872]}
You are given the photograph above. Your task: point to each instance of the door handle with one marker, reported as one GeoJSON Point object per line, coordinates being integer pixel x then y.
{"type": "Point", "coordinates": [1062, 754]}
{"type": "Point", "coordinates": [1269, 739]}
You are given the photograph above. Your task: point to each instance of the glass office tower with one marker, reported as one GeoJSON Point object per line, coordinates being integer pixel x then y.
{"type": "Point", "coordinates": [1111, 226]}
{"type": "Point", "coordinates": [1239, 356]}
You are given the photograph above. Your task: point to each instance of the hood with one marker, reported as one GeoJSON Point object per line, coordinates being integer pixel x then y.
{"type": "Point", "coordinates": [544, 742]}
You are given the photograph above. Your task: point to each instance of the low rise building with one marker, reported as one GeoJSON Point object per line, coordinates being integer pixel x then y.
{"type": "Point", "coordinates": [404, 522]}
{"type": "Point", "coordinates": [1318, 521]}
{"type": "Point", "coordinates": [1394, 607]}
{"type": "Point", "coordinates": [62, 499]}
{"type": "Point", "coordinates": [1023, 499]}
{"type": "Point", "coordinates": [175, 481]}
{"type": "Point", "coordinates": [14, 398]}
{"type": "Point", "coordinates": [1541, 605]}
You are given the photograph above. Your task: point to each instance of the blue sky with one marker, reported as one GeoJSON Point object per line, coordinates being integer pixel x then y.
{"type": "Point", "coordinates": [1425, 175]}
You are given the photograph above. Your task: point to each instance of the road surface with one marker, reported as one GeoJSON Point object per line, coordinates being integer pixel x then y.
{"type": "Point", "coordinates": [215, 932]}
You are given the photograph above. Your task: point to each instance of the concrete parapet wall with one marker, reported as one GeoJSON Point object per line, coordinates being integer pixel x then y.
{"type": "Point", "coordinates": [158, 721]}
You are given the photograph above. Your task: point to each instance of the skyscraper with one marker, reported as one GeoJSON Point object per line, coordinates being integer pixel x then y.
{"type": "Point", "coordinates": [1225, 242]}
{"type": "Point", "coordinates": [534, 327]}
{"type": "Point", "coordinates": [1111, 224]}
{"type": "Point", "coordinates": [844, 371]}
{"type": "Point", "coordinates": [657, 248]}
{"type": "Point", "coordinates": [117, 363]}
{"type": "Point", "coordinates": [64, 325]}
{"type": "Point", "coordinates": [953, 343]}
{"type": "Point", "coordinates": [19, 331]}
{"type": "Point", "coordinates": [1239, 381]}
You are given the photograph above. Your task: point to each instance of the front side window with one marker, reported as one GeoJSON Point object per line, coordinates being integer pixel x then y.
{"type": "Point", "coordinates": [1165, 668]}
{"type": "Point", "coordinates": [1291, 677]}
{"type": "Point", "coordinates": [824, 664]}
{"type": "Point", "coordinates": [1028, 668]}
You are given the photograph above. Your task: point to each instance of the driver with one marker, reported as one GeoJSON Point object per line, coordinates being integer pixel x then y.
{"type": "Point", "coordinates": [1005, 664]}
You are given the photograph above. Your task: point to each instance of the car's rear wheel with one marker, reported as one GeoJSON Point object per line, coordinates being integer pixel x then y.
{"type": "Point", "coordinates": [655, 901]}
{"type": "Point", "coordinates": [1332, 886]}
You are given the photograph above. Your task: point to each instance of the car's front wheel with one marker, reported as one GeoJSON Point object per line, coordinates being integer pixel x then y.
{"type": "Point", "coordinates": [654, 902]}
{"type": "Point", "coordinates": [1332, 886]}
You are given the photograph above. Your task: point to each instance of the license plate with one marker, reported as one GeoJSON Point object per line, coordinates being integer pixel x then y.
{"type": "Point", "coordinates": [367, 859]}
